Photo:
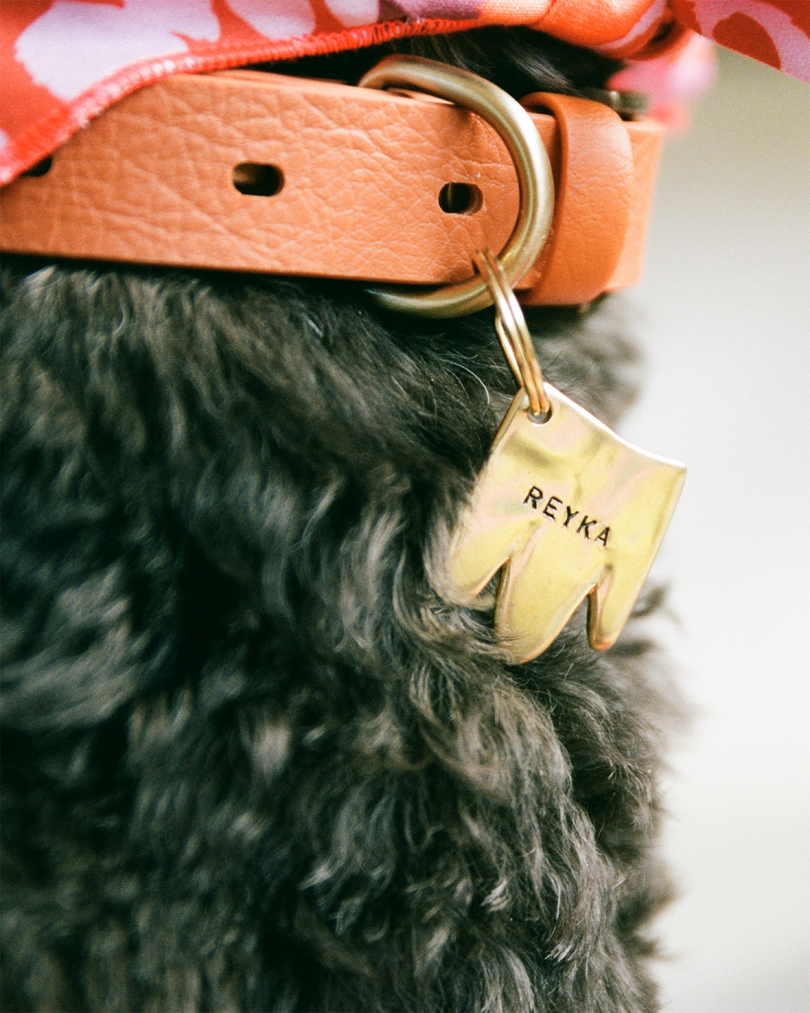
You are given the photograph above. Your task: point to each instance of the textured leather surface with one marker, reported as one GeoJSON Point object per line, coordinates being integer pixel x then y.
{"type": "Point", "coordinates": [150, 181]}
{"type": "Point", "coordinates": [593, 186]}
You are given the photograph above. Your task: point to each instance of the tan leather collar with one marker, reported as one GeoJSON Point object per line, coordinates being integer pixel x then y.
{"type": "Point", "coordinates": [361, 173]}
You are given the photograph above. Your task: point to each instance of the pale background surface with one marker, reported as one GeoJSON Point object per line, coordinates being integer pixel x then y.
{"type": "Point", "coordinates": [726, 322]}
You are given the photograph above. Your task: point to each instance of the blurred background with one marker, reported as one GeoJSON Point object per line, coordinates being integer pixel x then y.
{"type": "Point", "coordinates": [725, 320]}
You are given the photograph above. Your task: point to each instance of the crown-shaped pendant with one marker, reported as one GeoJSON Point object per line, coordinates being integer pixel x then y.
{"type": "Point", "coordinates": [563, 507]}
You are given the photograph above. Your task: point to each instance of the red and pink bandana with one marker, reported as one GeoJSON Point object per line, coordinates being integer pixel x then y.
{"type": "Point", "coordinates": [64, 61]}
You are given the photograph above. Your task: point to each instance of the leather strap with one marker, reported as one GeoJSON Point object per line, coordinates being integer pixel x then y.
{"type": "Point", "coordinates": [593, 189]}
{"type": "Point", "coordinates": [151, 181]}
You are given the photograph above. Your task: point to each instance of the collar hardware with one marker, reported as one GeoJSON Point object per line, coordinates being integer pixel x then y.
{"type": "Point", "coordinates": [530, 160]}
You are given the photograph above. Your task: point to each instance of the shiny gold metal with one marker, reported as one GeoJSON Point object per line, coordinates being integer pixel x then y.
{"type": "Point", "coordinates": [513, 333]}
{"type": "Point", "coordinates": [535, 182]}
{"type": "Point", "coordinates": [566, 509]}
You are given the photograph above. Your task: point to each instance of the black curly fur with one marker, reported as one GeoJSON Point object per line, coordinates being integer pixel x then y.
{"type": "Point", "coordinates": [251, 759]}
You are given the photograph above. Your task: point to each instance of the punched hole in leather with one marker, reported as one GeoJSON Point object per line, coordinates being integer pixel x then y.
{"type": "Point", "coordinates": [40, 169]}
{"type": "Point", "coordinates": [257, 179]}
{"type": "Point", "coordinates": [461, 199]}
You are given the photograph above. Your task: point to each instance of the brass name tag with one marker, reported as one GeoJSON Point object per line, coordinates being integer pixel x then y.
{"type": "Point", "coordinates": [566, 509]}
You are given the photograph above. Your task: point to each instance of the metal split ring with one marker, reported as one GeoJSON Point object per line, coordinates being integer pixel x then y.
{"type": "Point", "coordinates": [514, 334]}
{"type": "Point", "coordinates": [535, 181]}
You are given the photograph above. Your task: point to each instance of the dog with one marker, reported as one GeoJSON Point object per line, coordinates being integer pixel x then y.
{"type": "Point", "coordinates": [253, 759]}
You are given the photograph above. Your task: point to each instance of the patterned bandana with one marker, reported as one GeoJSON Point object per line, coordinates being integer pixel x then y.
{"type": "Point", "coordinates": [64, 61]}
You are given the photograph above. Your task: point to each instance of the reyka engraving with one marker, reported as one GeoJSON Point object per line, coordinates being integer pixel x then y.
{"type": "Point", "coordinates": [586, 523]}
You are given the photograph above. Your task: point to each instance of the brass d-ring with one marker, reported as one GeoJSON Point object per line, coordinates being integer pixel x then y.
{"type": "Point", "coordinates": [535, 182]}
